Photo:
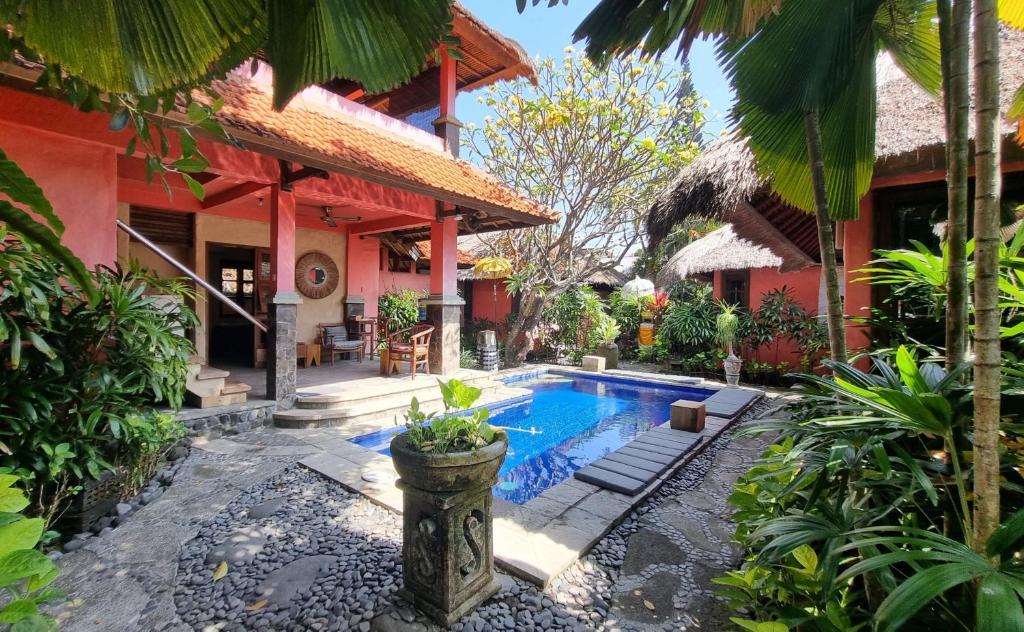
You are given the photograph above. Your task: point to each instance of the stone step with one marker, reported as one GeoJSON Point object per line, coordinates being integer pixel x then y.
{"type": "Point", "coordinates": [390, 409]}
{"type": "Point", "coordinates": [422, 388]}
{"type": "Point", "coordinates": [232, 387]}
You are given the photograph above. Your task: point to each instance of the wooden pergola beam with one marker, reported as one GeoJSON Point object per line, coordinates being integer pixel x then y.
{"type": "Point", "coordinates": [232, 194]}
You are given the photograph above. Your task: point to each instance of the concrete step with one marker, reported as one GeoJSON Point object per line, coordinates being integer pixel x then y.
{"type": "Point", "coordinates": [210, 401]}
{"type": "Point", "coordinates": [425, 386]}
{"type": "Point", "coordinates": [390, 409]}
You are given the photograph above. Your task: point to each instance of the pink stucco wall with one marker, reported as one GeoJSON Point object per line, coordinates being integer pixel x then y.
{"type": "Point", "coordinates": [364, 270]}
{"type": "Point", "coordinates": [804, 286]}
{"type": "Point", "coordinates": [79, 179]}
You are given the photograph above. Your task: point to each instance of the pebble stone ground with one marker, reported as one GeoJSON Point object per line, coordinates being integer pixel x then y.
{"type": "Point", "coordinates": [302, 553]}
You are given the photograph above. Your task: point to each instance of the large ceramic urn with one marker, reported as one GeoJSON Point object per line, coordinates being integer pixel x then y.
{"type": "Point", "coordinates": [447, 527]}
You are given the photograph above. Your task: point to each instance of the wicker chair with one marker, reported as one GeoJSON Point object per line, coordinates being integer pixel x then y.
{"type": "Point", "coordinates": [410, 345]}
{"type": "Point", "coordinates": [334, 339]}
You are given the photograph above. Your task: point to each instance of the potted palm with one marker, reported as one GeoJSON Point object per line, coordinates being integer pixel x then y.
{"type": "Point", "coordinates": [447, 464]}
{"type": "Point", "coordinates": [728, 323]}
{"type": "Point", "coordinates": [607, 331]}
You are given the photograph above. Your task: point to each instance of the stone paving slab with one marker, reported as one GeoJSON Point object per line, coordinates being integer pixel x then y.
{"type": "Point", "coordinates": [633, 471]}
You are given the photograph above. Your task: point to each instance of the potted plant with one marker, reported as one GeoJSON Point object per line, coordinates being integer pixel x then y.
{"type": "Point", "coordinates": [728, 324]}
{"type": "Point", "coordinates": [606, 331]}
{"type": "Point", "coordinates": [447, 465]}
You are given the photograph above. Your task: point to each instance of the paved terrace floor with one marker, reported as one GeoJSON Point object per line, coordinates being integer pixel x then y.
{"type": "Point", "coordinates": [305, 554]}
{"type": "Point", "coordinates": [319, 380]}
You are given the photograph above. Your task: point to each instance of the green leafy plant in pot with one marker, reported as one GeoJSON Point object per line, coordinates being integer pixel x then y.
{"type": "Point", "coordinates": [728, 323]}
{"type": "Point", "coordinates": [452, 451]}
{"type": "Point", "coordinates": [607, 331]}
{"type": "Point", "coordinates": [447, 464]}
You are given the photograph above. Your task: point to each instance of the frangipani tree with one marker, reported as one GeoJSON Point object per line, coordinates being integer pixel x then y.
{"type": "Point", "coordinates": [597, 144]}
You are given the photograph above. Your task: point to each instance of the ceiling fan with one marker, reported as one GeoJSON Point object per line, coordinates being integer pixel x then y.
{"type": "Point", "coordinates": [332, 221]}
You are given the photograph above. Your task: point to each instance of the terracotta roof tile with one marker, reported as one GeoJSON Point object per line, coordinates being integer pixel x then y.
{"type": "Point", "coordinates": [463, 258]}
{"type": "Point", "coordinates": [359, 148]}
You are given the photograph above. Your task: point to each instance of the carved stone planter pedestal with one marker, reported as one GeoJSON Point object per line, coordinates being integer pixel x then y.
{"type": "Point", "coordinates": [447, 551]}
{"type": "Point", "coordinates": [447, 527]}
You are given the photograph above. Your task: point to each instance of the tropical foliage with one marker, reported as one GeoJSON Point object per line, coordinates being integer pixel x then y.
{"type": "Point", "coordinates": [25, 573]}
{"type": "Point", "coordinates": [597, 144]}
{"type": "Point", "coordinates": [861, 512]}
{"type": "Point", "coordinates": [82, 377]}
{"type": "Point", "coordinates": [399, 309]}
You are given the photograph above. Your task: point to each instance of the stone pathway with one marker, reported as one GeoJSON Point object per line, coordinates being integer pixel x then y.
{"type": "Point", "coordinates": [302, 553]}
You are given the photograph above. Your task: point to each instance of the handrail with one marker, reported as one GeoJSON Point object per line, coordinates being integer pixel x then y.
{"type": "Point", "coordinates": [192, 275]}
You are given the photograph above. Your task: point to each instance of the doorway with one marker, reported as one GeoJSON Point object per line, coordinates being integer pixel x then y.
{"type": "Point", "coordinates": [232, 270]}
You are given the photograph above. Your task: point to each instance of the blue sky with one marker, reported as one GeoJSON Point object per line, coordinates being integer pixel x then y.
{"type": "Point", "coordinates": [547, 31]}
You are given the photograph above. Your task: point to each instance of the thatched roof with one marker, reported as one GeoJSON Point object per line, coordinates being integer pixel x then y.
{"type": "Point", "coordinates": [722, 249]}
{"type": "Point", "coordinates": [722, 176]}
{"type": "Point", "coordinates": [911, 120]}
{"type": "Point", "coordinates": [610, 277]}
{"type": "Point", "coordinates": [910, 130]}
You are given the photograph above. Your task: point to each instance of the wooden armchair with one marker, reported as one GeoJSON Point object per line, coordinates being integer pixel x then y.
{"type": "Point", "coordinates": [410, 345]}
{"type": "Point", "coordinates": [334, 339]}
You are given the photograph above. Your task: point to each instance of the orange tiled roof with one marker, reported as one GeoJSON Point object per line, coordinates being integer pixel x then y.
{"type": "Point", "coordinates": [463, 258]}
{"type": "Point", "coordinates": [340, 142]}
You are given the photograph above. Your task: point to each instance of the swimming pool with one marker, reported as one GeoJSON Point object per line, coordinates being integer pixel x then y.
{"type": "Point", "coordinates": [568, 422]}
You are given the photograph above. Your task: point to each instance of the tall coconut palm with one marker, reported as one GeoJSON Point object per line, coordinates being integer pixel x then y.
{"type": "Point", "coordinates": [954, 31]}
{"type": "Point", "coordinates": [987, 350]}
{"type": "Point", "coordinates": [804, 75]}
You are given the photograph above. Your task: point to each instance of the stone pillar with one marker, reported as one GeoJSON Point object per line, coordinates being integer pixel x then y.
{"type": "Point", "coordinates": [281, 339]}
{"type": "Point", "coordinates": [444, 312]}
{"type": "Point", "coordinates": [448, 562]}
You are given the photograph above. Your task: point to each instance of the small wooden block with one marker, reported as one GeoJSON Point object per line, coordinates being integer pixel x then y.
{"type": "Point", "coordinates": [594, 364]}
{"type": "Point", "coordinates": [688, 415]}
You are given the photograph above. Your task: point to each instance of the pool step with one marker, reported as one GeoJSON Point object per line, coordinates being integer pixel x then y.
{"type": "Point", "coordinates": [390, 409]}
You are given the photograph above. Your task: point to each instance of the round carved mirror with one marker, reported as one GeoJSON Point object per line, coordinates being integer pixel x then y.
{"type": "Point", "coordinates": [316, 275]}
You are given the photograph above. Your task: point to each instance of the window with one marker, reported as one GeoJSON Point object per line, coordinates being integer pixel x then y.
{"type": "Point", "coordinates": [736, 287]}
{"type": "Point", "coordinates": [237, 281]}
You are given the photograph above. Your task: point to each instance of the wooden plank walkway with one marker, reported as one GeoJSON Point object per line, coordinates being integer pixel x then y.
{"type": "Point", "coordinates": [633, 467]}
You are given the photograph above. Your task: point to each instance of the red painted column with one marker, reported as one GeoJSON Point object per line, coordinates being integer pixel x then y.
{"type": "Point", "coordinates": [858, 245]}
{"type": "Point", "coordinates": [443, 252]}
{"type": "Point", "coordinates": [282, 238]}
{"type": "Point", "coordinates": [444, 306]}
{"type": "Point", "coordinates": [284, 306]}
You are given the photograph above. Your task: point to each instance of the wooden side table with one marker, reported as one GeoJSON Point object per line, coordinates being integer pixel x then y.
{"type": "Point", "coordinates": [309, 353]}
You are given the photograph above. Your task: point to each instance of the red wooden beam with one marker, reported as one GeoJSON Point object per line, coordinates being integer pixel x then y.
{"type": "Point", "coordinates": [385, 225]}
{"type": "Point", "coordinates": [232, 194]}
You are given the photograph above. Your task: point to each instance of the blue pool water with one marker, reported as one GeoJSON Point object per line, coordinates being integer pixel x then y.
{"type": "Point", "coordinates": [567, 423]}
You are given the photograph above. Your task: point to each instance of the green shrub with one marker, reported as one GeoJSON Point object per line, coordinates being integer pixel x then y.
{"type": "Point", "coordinates": [25, 573]}
{"type": "Point", "coordinates": [571, 318]}
{"type": "Point", "coordinates": [399, 309]}
{"type": "Point", "coordinates": [82, 378]}
{"type": "Point", "coordinates": [690, 325]}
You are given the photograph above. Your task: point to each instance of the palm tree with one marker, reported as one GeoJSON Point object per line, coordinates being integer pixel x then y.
{"type": "Point", "coordinates": [987, 351]}
{"type": "Point", "coordinates": [804, 75]}
{"type": "Point", "coordinates": [954, 32]}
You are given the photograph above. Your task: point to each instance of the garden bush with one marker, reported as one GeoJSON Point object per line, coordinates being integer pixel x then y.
{"type": "Point", "coordinates": [398, 309]}
{"type": "Point", "coordinates": [82, 377]}
{"type": "Point", "coordinates": [570, 320]}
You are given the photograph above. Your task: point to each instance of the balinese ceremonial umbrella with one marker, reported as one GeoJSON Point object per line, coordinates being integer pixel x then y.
{"type": "Point", "coordinates": [493, 268]}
